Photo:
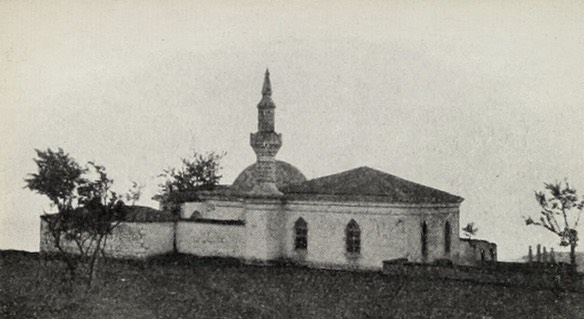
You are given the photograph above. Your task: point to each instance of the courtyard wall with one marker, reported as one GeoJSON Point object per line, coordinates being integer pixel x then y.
{"type": "Point", "coordinates": [220, 238]}
{"type": "Point", "coordinates": [129, 240]}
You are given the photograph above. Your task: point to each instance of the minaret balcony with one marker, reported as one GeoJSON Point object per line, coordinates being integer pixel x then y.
{"type": "Point", "coordinates": [266, 143]}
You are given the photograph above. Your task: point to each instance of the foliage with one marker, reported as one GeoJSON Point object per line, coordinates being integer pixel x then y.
{"type": "Point", "coordinates": [199, 172]}
{"type": "Point", "coordinates": [58, 177]}
{"type": "Point", "coordinates": [134, 193]}
{"type": "Point", "coordinates": [560, 213]}
{"type": "Point", "coordinates": [88, 210]}
{"type": "Point", "coordinates": [470, 230]}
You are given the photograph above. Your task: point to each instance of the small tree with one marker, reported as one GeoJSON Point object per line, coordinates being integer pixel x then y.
{"type": "Point", "coordinates": [87, 209]}
{"type": "Point", "coordinates": [560, 213]}
{"type": "Point", "coordinates": [199, 172]}
{"type": "Point", "coordinates": [470, 230]}
{"type": "Point", "coordinates": [134, 193]}
{"type": "Point", "coordinates": [58, 177]}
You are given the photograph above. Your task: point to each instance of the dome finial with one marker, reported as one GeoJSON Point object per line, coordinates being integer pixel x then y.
{"type": "Point", "coordinates": [267, 88]}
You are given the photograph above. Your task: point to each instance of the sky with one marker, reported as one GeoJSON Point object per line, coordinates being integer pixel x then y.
{"type": "Point", "coordinates": [482, 99]}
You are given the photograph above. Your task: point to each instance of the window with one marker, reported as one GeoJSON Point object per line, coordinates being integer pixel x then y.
{"type": "Point", "coordinates": [353, 237]}
{"type": "Point", "coordinates": [424, 239]}
{"type": "Point", "coordinates": [493, 253]}
{"type": "Point", "coordinates": [301, 231]}
{"type": "Point", "coordinates": [447, 238]}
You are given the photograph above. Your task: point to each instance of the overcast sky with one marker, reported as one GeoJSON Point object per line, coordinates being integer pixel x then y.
{"type": "Point", "coordinates": [482, 99]}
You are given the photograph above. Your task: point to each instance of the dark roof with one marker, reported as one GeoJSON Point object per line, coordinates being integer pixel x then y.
{"type": "Point", "coordinates": [134, 213]}
{"type": "Point", "coordinates": [193, 195]}
{"type": "Point", "coordinates": [474, 240]}
{"type": "Point", "coordinates": [144, 214]}
{"type": "Point", "coordinates": [286, 174]}
{"type": "Point", "coordinates": [367, 184]}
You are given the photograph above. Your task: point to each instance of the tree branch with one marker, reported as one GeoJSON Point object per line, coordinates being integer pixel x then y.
{"type": "Point", "coordinates": [546, 227]}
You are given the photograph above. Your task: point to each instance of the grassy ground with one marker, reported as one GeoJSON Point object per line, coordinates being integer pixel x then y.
{"type": "Point", "coordinates": [187, 287]}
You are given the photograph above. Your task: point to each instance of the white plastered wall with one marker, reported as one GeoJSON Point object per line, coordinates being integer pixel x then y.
{"type": "Point", "coordinates": [128, 240]}
{"type": "Point", "coordinates": [387, 232]}
{"type": "Point", "coordinates": [204, 239]}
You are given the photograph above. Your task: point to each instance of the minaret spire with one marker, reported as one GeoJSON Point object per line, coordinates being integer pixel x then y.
{"type": "Point", "coordinates": [266, 143]}
{"type": "Point", "coordinates": [266, 102]}
{"type": "Point", "coordinates": [267, 88]}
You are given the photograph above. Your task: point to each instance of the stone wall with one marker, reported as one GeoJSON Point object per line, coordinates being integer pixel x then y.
{"type": "Point", "coordinates": [141, 240]}
{"type": "Point", "coordinates": [387, 232]}
{"type": "Point", "coordinates": [262, 229]}
{"type": "Point", "coordinates": [263, 233]}
{"type": "Point", "coordinates": [475, 251]}
{"type": "Point", "coordinates": [128, 240]}
{"type": "Point", "coordinates": [206, 238]}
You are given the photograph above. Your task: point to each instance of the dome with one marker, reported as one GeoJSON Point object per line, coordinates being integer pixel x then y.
{"type": "Point", "coordinates": [286, 174]}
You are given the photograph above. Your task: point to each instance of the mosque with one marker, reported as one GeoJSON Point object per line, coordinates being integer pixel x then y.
{"type": "Point", "coordinates": [355, 219]}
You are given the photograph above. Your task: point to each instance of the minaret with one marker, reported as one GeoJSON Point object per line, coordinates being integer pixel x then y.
{"type": "Point", "coordinates": [266, 143]}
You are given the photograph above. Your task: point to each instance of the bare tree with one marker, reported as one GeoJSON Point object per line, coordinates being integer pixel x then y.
{"type": "Point", "coordinates": [561, 209]}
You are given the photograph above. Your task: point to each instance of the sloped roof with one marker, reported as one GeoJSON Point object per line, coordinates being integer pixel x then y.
{"type": "Point", "coordinates": [144, 214]}
{"type": "Point", "coordinates": [193, 195]}
{"type": "Point", "coordinates": [368, 184]}
{"type": "Point", "coordinates": [133, 213]}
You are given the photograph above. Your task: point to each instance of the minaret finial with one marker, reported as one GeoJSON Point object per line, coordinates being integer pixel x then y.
{"type": "Point", "coordinates": [267, 88]}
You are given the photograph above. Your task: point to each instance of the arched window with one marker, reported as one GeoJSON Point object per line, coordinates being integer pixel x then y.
{"type": "Point", "coordinates": [353, 237]}
{"type": "Point", "coordinates": [482, 255]}
{"type": "Point", "coordinates": [447, 238]}
{"type": "Point", "coordinates": [424, 239]}
{"type": "Point", "coordinates": [196, 215]}
{"type": "Point", "coordinates": [301, 231]}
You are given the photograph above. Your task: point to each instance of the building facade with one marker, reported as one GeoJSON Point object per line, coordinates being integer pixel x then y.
{"type": "Point", "coordinates": [354, 219]}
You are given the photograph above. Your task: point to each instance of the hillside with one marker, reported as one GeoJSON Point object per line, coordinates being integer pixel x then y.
{"type": "Point", "coordinates": [188, 287]}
